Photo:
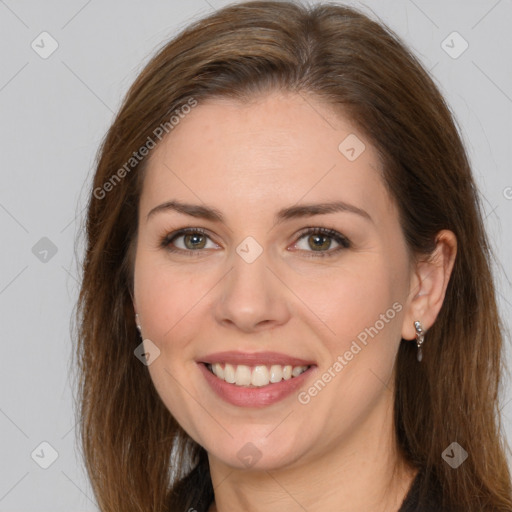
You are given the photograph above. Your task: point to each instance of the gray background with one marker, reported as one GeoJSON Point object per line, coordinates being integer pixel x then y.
{"type": "Point", "coordinates": [54, 113]}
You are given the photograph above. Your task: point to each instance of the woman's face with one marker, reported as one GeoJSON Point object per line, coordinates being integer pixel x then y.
{"type": "Point", "coordinates": [267, 279]}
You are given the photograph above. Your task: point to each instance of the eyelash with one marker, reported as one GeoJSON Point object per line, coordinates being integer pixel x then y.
{"type": "Point", "coordinates": [343, 242]}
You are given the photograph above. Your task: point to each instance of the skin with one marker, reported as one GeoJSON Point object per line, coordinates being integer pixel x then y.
{"type": "Point", "coordinates": [248, 161]}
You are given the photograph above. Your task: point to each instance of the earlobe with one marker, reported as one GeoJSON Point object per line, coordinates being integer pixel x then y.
{"type": "Point", "coordinates": [429, 284]}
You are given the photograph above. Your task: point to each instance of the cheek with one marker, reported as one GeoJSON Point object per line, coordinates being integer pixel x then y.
{"type": "Point", "coordinates": [164, 293]}
{"type": "Point", "coordinates": [349, 300]}
{"type": "Point", "coordinates": [361, 310]}
{"type": "Point", "coordinates": [169, 304]}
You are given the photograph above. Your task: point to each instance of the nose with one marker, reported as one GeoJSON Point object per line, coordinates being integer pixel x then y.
{"type": "Point", "coordinates": [251, 297]}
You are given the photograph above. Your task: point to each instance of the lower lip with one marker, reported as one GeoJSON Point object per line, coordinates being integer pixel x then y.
{"type": "Point", "coordinates": [254, 397]}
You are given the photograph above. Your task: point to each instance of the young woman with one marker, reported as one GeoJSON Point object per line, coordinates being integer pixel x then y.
{"type": "Point", "coordinates": [287, 301]}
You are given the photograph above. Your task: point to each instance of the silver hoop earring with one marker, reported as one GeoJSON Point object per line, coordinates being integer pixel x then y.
{"type": "Point", "coordinates": [420, 338]}
{"type": "Point", "coordinates": [139, 328]}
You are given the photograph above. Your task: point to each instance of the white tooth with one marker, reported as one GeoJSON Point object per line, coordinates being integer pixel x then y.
{"type": "Point", "coordinates": [218, 370]}
{"type": "Point", "coordinates": [260, 376]}
{"type": "Point", "coordinates": [276, 373]}
{"type": "Point", "coordinates": [242, 375]}
{"type": "Point", "coordinates": [297, 370]}
{"type": "Point", "coordinates": [229, 374]}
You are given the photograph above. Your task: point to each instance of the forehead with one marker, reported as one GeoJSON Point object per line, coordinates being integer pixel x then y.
{"type": "Point", "coordinates": [277, 149]}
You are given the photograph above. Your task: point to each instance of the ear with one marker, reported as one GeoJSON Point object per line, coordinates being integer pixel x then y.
{"type": "Point", "coordinates": [428, 285]}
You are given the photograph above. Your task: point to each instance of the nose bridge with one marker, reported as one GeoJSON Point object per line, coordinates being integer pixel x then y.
{"type": "Point", "coordinates": [251, 296]}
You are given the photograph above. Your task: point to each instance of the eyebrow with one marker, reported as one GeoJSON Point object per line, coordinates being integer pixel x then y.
{"type": "Point", "coordinates": [291, 212]}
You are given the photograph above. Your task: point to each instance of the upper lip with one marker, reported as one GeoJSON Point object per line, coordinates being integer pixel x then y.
{"type": "Point", "coordinates": [254, 358]}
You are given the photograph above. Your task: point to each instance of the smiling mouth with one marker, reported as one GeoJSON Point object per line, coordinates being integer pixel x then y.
{"type": "Point", "coordinates": [255, 376]}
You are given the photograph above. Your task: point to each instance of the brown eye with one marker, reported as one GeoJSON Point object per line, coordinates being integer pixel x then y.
{"type": "Point", "coordinates": [194, 241]}
{"type": "Point", "coordinates": [319, 242]}
{"type": "Point", "coordinates": [187, 241]}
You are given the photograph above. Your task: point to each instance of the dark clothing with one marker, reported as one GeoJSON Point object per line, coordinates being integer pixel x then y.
{"type": "Point", "coordinates": [411, 503]}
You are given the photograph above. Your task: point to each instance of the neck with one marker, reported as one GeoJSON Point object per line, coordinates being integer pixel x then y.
{"type": "Point", "coordinates": [362, 474]}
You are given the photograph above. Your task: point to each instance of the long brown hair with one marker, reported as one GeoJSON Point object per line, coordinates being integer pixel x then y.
{"type": "Point", "coordinates": [138, 458]}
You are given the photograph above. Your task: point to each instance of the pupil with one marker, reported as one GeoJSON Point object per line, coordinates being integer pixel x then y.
{"type": "Point", "coordinates": [320, 242]}
{"type": "Point", "coordinates": [194, 241]}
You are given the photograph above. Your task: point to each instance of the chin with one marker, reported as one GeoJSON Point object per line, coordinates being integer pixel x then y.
{"type": "Point", "coordinates": [257, 453]}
